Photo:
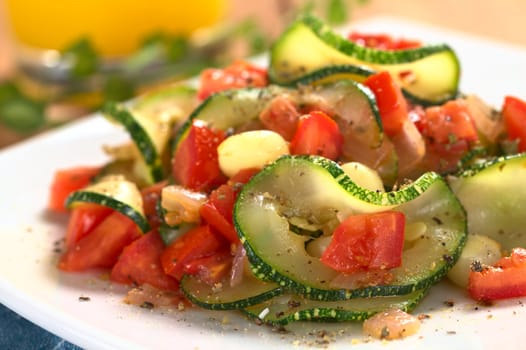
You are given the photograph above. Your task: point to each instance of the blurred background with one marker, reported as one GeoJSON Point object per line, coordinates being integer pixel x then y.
{"type": "Point", "coordinates": [59, 60]}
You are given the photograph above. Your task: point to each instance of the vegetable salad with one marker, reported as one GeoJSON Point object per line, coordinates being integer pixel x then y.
{"type": "Point", "coordinates": [340, 184]}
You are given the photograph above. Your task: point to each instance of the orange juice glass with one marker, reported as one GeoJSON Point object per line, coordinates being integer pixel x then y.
{"type": "Point", "coordinates": [115, 27]}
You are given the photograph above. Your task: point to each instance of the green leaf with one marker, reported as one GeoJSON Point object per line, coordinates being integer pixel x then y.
{"type": "Point", "coordinates": [22, 115]}
{"type": "Point", "coordinates": [84, 58]}
{"type": "Point", "coordinates": [337, 12]}
{"type": "Point", "coordinates": [117, 88]}
{"type": "Point", "coordinates": [176, 48]}
{"type": "Point", "coordinates": [8, 91]}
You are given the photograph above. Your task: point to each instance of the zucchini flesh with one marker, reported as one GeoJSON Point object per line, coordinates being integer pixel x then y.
{"type": "Point", "coordinates": [494, 196]}
{"type": "Point", "coordinates": [317, 190]}
{"type": "Point", "coordinates": [176, 100]}
{"type": "Point", "coordinates": [115, 192]}
{"type": "Point", "coordinates": [288, 308]}
{"type": "Point", "coordinates": [352, 105]}
{"type": "Point", "coordinates": [150, 122]}
{"type": "Point", "coordinates": [249, 291]}
{"type": "Point", "coordinates": [309, 45]}
{"type": "Point", "coordinates": [124, 167]}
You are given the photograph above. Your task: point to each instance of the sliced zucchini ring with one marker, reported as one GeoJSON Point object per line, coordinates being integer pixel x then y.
{"type": "Point", "coordinates": [249, 292]}
{"type": "Point", "coordinates": [150, 122]}
{"type": "Point", "coordinates": [494, 196]}
{"type": "Point", "coordinates": [287, 308]}
{"type": "Point", "coordinates": [352, 104]}
{"type": "Point", "coordinates": [115, 192]}
{"type": "Point", "coordinates": [317, 191]}
{"type": "Point", "coordinates": [430, 73]}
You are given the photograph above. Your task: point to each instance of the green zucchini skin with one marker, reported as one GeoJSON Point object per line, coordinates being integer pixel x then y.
{"type": "Point", "coordinates": [141, 138]}
{"type": "Point", "coordinates": [250, 291]}
{"type": "Point", "coordinates": [287, 308]}
{"type": "Point", "coordinates": [309, 44]}
{"type": "Point", "coordinates": [230, 109]}
{"type": "Point", "coordinates": [150, 120]}
{"type": "Point", "coordinates": [316, 188]}
{"type": "Point", "coordinates": [493, 194]}
{"type": "Point", "coordinates": [352, 104]}
{"type": "Point", "coordinates": [353, 72]}
{"type": "Point", "coordinates": [114, 192]}
{"type": "Point", "coordinates": [174, 99]}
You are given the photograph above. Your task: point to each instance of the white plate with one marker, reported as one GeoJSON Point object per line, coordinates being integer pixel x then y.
{"type": "Point", "coordinates": [30, 284]}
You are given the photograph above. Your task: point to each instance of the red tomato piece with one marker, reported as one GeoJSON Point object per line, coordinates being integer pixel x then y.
{"type": "Point", "coordinates": [317, 134]}
{"type": "Point", "coordinates": [211, 269]}
{"type": "Point", "coordinates": [390, 100]}
{"type": "Point", "coordinates": [197, 243]}
{"type": "Point", "coordinates": [195, 164]}
{"type": "Point", "coordinates": [242, 177]}
{"type": "Point", "coordinates": [506, 279]}
{"type": "Point", "coordinates": [237, 75]}
{"type": "Point", "coordinates": [447, 125]}
{"type": "Point", "coordinates": [66, 181]}
{"type": "Point", "coordinates": [83, 219]}
{"type": "Point", "coordinates": [223, 199]}
{"type": "Point", "coordinates": [218, 210]}
{"type": "Point", "coordinates": [367, 242]}
{"type": "Point", "coordinates": [281, 116]}
{"type": "Point", "coordinates": [383, 41]}
{"type": "Point", "coordinates": [449, 132]}
{"type": "Point", "coordinates": [212, 216]}
{"type": "Point", "coordinates": [140, 263]}
{"type": "Point", "coordinates": [150, 198]}
{"type": "Point", "coordinates": [514, 113]}
{"type": "Point", "coordinates": [102, 246]}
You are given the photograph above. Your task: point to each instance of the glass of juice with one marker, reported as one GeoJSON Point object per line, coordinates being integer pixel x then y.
{"type": "Point", "coordinates": [115, 29]}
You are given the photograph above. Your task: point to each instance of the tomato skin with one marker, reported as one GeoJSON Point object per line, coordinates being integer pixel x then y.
{"type": "Point", "coordinates": [367, 242]}
{"type": "Point", "coordinates": [218, 210]}
{"type": "Point", "coordinates": [150, 198]}
{"type": "Point", "coordinates": [514, 114]}
{"type": "Point", "coordinates": [237, 75]}
{"type": "Point", "coordinates": [449, 132]}
{"type": "Point", "coordinates": [66, 181]}
{"type": "Point", "coordinates": [101, 247]}
{"type": "Point", "coordinates": [506, 279]}
{"type": "Point", "coordinates": [383, 41]}
{"type": "Point", "coordinates": [391, 102]}
{"type": "Point", "coordinates": [212, 216]}
{"type": "Point", "coordinates": [444, 126]}
{"type": "Point", "coordinates": [83, 219]}
{"type": "Point", "coordinates": [317, 134]}
{"type": "Point", "coordinates": [281, 116]}
{"type": "Point", "coordinates": [242, 177]}
{"type": "Point", "coordinates": [197, 243]}
{"type": "Point", "coordinates": [211, 269]}
{"type": "Point", "coordinates": [195, 164]}
{"type": "Point", "coordinates": [140, 263]}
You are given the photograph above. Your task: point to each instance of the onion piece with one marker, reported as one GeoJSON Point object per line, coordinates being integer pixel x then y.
{"type": "Point", "coordinates": [181, 204]}
{"type": "Point", "coordinates": [238, 266]}
{"type": "Point", "coordinates": [391, 324]}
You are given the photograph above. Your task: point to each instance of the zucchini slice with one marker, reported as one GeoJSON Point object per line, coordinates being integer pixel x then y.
{"type": "Point", "coordinates": [150, 122]}
{"type": "Point", "coordinates": [230, 109]}
{"type": "Point", "coordinates": [352, 105]}
{"type": "Point", "coordinates": [316, 190]}
{"type": "Point", "coordinates": [430, 73]}
{"type": "Point", "coordinates": [494, 196]}
{"type": "Point", "coordinates": [115, 192]}
{"type": "Point", "coordinates": [287, 308]}
{"type": "Point", "coordinates": [147, 135]}
{"type": "Point", "coordinates": [249, 292]}
{"type": "Point", "coordinates": [177, 100]}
